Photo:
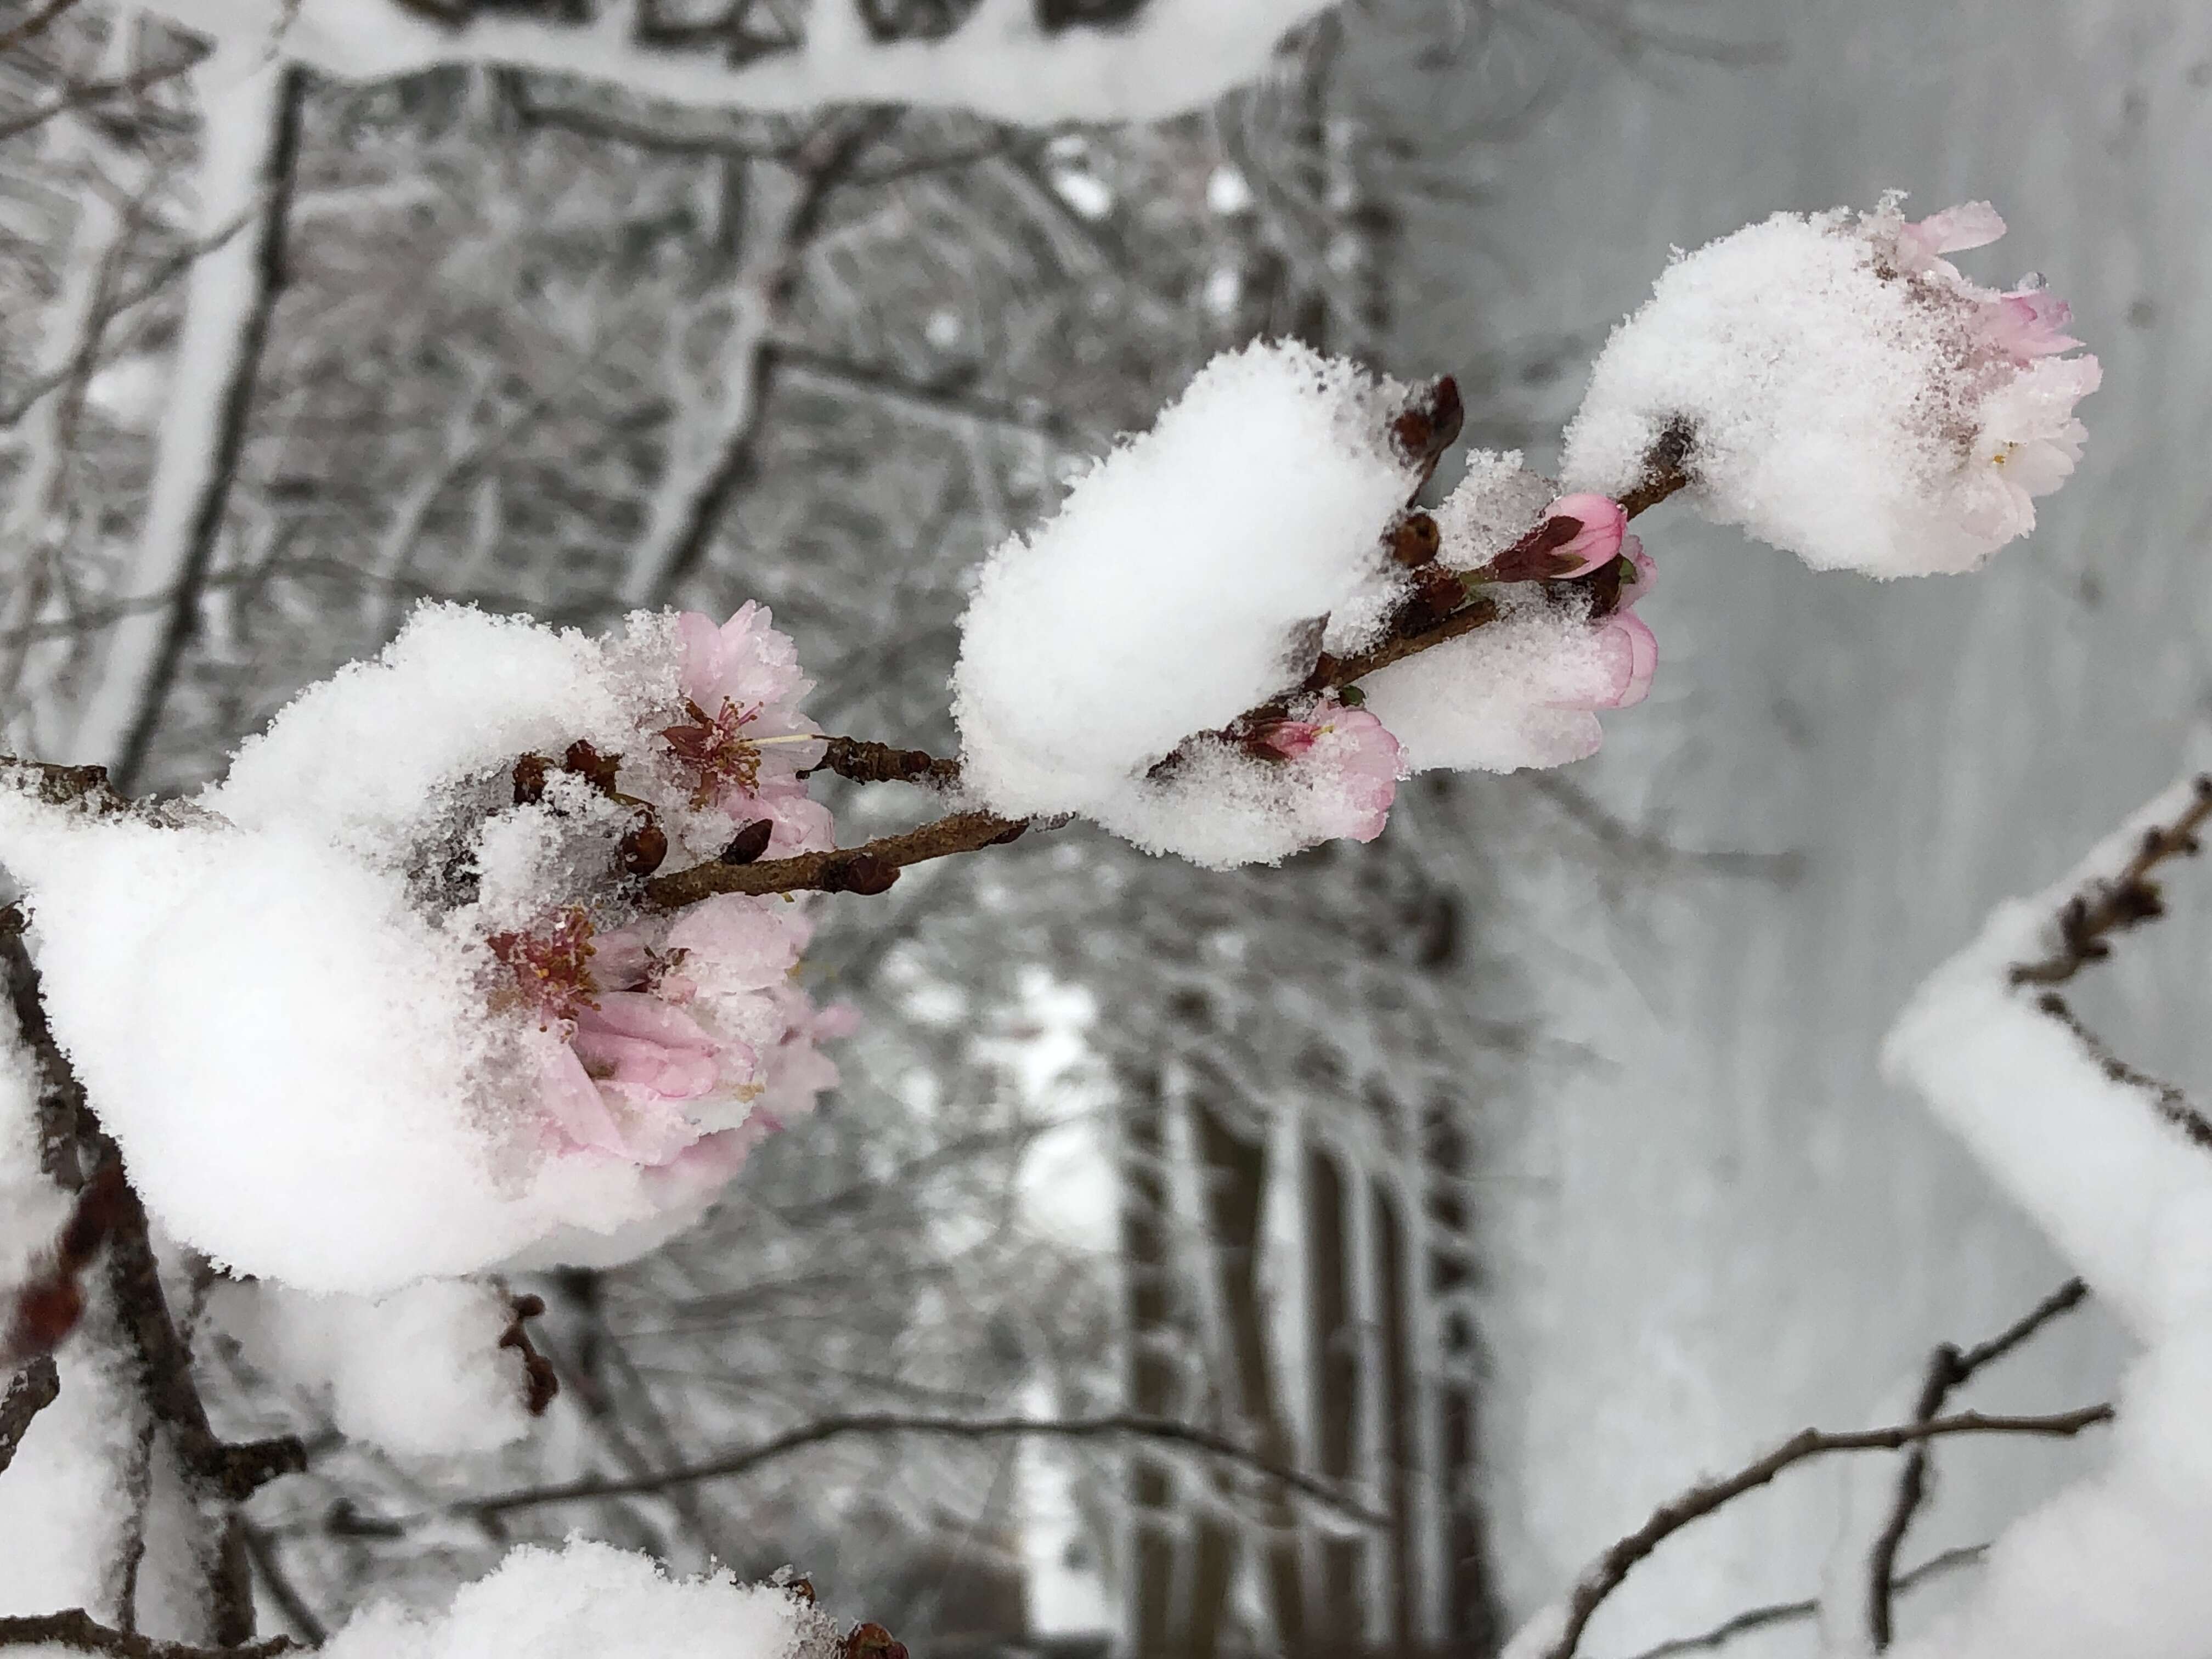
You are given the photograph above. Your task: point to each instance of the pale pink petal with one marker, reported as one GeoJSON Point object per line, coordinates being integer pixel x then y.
{"type": "Point", "coordinates": [1632, 652]}
{"type": "Point", "coordinates": [1642, 572]}
{"type": "Point", "coordinates": [2028, 323]}
{"type": "Point", "coordinates": [572, 1102]}
{"type": "Point", "coordinates": [737, 943]}
{"type": "Point", "coordinates": [1953, 230]}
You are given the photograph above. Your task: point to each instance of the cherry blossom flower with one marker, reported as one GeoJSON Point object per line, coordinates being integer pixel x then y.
{"type": "Point", "coordinates": [1354, 761]}
{"type": "Point", "coordinates": [2028, 323]}
{"type": "Point", "coordinates": [744, 742]}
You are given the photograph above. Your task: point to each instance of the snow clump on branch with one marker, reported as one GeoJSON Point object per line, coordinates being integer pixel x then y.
{"type": "Point", "coordinates": [387, 1001]}
{"type": "Point", "coordinates": [1837, 387]}
{"type": "Point", "coordinates": [591, 1601]}
{"type": "Point", "coordinates": [1168, 655]}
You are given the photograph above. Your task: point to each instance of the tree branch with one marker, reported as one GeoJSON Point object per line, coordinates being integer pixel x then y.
{"type": "Point", "coordinates": [1607, 1573]}
{"type": "Point", "coordinates": [1790, 1612]}
{"type": "Point", "coordinates": [1157, 1430]}
{"type": "Point", "coordinates": [2106, 907]}
{"type": "Point", "coordinates": [1948, 1369]}
{"type": "Point", "coordinates": [78, 1629]}
{"type": "Point", "coordinates": [870, 868]}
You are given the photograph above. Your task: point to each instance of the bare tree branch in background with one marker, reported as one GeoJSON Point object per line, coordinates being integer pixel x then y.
{"type": "Point", "coordinates": [1948, 1369]}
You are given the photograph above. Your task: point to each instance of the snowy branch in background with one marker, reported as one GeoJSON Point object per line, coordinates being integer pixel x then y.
{"type": "Point", "coordinates": [2116, 1168]}
{"type": "Point", "coordinates": [1029, 61]}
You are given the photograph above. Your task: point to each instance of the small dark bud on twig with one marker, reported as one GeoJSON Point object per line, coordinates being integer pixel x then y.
{"type": "Point", "coordinates": [642, 847]}
{"type": "Point", "coordinates": [530, 774]}
{"type": "Point", "coordinates": [588, 763]}
{"type": "Point", "coordinates": [541, 1382]}
{"type": "Point", "coordinates": [861, 872]}
{"type": "Point", "coordinates": [1414, 540]}
{"type": "Point", "coordinates": [749, 843]}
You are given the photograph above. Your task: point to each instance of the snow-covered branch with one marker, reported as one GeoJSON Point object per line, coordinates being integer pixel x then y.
{"type": "Point", "coordinates": [1035, 61]}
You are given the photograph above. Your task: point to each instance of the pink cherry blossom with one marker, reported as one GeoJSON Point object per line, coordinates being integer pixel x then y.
{"type": "Point", "coordinates": [743, 740]}
{"type": "Point", "coordinates": [745, 661]}
{"type": "Point", "coordinates": [1953, 230]}
{"type": "Point", "coordinates": [1352, 759]}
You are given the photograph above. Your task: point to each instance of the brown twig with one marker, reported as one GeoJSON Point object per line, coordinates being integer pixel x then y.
{"type": "Point", "coordinates": [868, 868]}
{"type": "Point", "coordinates": [1790, 1612]}
{"type": "Point", "coordinates": [1607, 1573]}
{"type": "Point", "coordinates": [2127, 899]}
{"type": "Point", "coordinates": [867, 761]}
{"type": "Point", "coordinates": [78, 1629]}
{"type": "Point", "coordinates": [1122, 1426]}
{"type": "Point", "coordinates": [1948, 1369]}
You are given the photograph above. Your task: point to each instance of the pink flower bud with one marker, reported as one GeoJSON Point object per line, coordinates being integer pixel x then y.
{"type": "Point", "coordinates": [1603, 522]}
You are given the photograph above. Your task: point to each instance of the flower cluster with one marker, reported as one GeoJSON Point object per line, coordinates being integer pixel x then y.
{"type": "Point", "coordinates": [682, 1039]}
{"type": "Point", "coordinates": [1563, 641]}
{"type": "Point", "coordinates": [1837, 387]}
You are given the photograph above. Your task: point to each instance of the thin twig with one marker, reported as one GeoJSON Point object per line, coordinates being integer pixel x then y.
{"type": "Point", "coordinates": [2127, 899]}
{"type": "Point", "coordinates": [35, 24]}
{"type": "Point", "coordinates": [1791, 1613]}
{"type": "Point", "coordinates": [78, 1629]}
{"type": "Point", "coordinates": [1121, 1427]}
{"type": "Point", "coordinates": [868, 868]}
{"type": "Point", "coordinates": [1948, 1369]}
{"type": "Point", "coordinates": [1606, 1574]}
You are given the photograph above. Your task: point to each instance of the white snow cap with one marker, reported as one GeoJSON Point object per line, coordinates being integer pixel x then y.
{"type": "Point", "coordinates": [591, 1601]}
{"type": "Point", "coordinates": [1844, 392]}
{"type": "Point", "coordinates": [1187, 578]}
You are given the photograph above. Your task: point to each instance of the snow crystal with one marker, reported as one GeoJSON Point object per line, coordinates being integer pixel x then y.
{"type": "Point", "coordinates": [1842, 394]}
{"type": "Point", "coordinates": [1183, 580]}
{"type": "Point", "coordinates": [590, 1600]}
{"type": "Point", "coordinates": [1497, 501]}
{"type": "Point", "coordinates": [419, 1372]}
{"type": "Point", "coordinates": [1521, 692]}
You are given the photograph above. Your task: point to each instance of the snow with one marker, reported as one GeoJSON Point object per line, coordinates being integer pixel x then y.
{"type": "Point", "coordinates": [2113, 1565]}
{"type": "Point", "coordinates": [1502, 697]}
{"type": "Point", "coordinates": [314, 1008]}
{"type": "Point", "coordinates": [1842, 399]}
{"type": "Point", "coordinates": [64, 1509]}
{"type": "Point", "coordinates": [1182, 582]}
{"type": "Point", "coordinates": [1172, 56]}
{"type": "Point", "coordinates": [590, 1600]}
{"type": "Point", "coordinates": [2120, 1189]}
{"type": "Point", "coordinates": [419, 1372]}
